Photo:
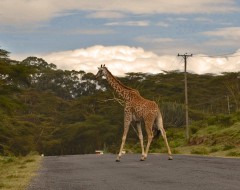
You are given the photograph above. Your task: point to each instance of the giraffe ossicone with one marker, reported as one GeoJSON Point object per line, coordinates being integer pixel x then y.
{"type": "Point", "coordinates": [136, 109]}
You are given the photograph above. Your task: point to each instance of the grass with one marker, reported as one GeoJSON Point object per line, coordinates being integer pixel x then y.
{"type": "Point", "coordinates": [213, 140]}
{"type": "Point", "coordinates": [234, 153]}
{"type": "Point", "coordinates": [200, 150]}
{"type": "Point", "coordinates": [16, 172]}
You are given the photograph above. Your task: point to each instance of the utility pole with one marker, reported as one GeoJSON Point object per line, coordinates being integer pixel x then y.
{"type": "Point", "coordinates": [228, 105]}
{"type": "Point", "coordinates": [185, 56]}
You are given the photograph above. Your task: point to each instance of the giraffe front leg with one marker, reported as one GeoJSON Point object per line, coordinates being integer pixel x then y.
{"type": "Point", "coordinates": [140, 135]}
{"type": "Point", "coordinates": [148, 145]}
{"type": "Point", "coordinates": [121, 148]}
{"type": "Point", "coordinates": [150, 137]}
{"type": "Point", "coordinates": [127, 121]}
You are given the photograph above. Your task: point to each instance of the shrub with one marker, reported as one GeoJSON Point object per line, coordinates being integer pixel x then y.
{"type": "Point", "coordinates": [173, 114]}
{"type": "Point", "coordinates": [215, 149]}
{"type": "Point", "coordinates": [222, 120]}
{"type": "Point", "coordinates": [234, 153]}
{"type": "Point", "coordinates": [175, 151]}
{"type": "Point", "coordinates": [200, 150]}
{"type": "Point", "coordinates": [6, 159]}
{"type": "Point", "coordinates": [228, 147]}
{"type": "Point", "coordinates": [194, 129]}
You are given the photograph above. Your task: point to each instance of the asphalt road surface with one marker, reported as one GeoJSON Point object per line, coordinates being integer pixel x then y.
{"type": "Point", "coordinates": [101, 172]}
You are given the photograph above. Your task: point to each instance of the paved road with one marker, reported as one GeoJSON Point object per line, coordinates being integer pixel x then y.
{"type": "Point", "coordinates": [101, 172]}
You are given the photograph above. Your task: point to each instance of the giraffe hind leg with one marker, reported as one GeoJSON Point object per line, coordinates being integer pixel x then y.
{"type": "Point", "coordinates": [140, 135]}
{"type": "Point", "coordinates": [163, 133]}
{"type": "Point", "coordinates": [166, 142]}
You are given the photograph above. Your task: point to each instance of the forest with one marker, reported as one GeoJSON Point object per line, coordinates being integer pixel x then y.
{"type": "Point", "coordinates": [58, 112]}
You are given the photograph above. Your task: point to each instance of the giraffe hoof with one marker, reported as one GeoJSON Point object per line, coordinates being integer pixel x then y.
{"type": "Point", "coordinates": [117, 160]}
{"type": "Point", "coordinates": [170, 158]}
{"type": "Point", "coordinates": [142, 159]}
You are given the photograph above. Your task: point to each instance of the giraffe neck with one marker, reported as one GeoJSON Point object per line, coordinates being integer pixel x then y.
{"type": "Point", "coordinates": [120, 88]}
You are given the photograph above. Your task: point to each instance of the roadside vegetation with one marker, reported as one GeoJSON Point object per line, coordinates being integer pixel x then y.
{"type": "Point", "coordinates": [16, 172]}
{"type": "Point", "coordinates": [57, 112]}
{"type": "Point", "coordinates": [210, 140]}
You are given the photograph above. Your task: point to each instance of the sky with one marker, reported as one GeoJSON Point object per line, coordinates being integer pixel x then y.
{"type": "Point", "coordinates": [126, 36]}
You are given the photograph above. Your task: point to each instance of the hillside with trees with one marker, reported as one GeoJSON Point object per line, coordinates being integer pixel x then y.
{"type": "Point", "coordinates": [57, 112]}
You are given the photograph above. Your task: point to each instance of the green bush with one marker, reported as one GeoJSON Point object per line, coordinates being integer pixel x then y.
{"type": "Point", "coordinates": [194, 129]}
{"type": "Point", "coordinates": [175, 151]}
{"type": "Point", "coordinates": [200, 150]}
{"type": "Point", "coordinates": [173, 114]}
{"type": "Point", "coordinates": [6, 159]}
{"type": "Point", "coordinates": [222, 120]}
{"type": "Point", "coordinates": [234, 153]}
{"type": "Point", "coordinates": [215, 149]}
{"type": "Point", "coordinates": [228, 147]}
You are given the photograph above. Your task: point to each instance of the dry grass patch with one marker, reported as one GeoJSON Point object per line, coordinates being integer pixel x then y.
{"type": "Point", "coordinates": [16, 172]}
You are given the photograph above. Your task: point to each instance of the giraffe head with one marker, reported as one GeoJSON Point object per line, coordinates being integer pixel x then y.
{"type": "Point", "coordinates": [101, 71]}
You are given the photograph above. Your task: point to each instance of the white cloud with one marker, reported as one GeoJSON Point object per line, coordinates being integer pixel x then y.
{"type": "Point", "coordinates": [106, 14]}
{"type": "Point", "coordinates": [224, 37]}
{"type": "Point", "coordinates": [204, 64]}
{"type": "Point", "coordinates": [129, 23]}
{"type": "Point", "coordinates": [90, 32]}
{"type": "Point", "coordinates": [166, 45]}
{"type": "Point", "coordinates": [181, 19]}
{"type": "Point", "coordinates": [18, 12]}
{"type": "Point", "coordinates": [153, 40]}
{"type": "Point", "coordinates": [123, 59]}
{"type": "Point", "coordinates": [203, 19]}
{"type": "Point", "coordinates": [231, 33]}
{"type": "Point", "coordinates": [162, 24]}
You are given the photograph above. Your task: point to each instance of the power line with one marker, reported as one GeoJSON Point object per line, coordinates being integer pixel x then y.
{"type": "Point", "coordinates": [175, 62]}
{"type": "Point", "coordinates": [218, 56]}
{"type": "Point", "coordinates": [210, 101]}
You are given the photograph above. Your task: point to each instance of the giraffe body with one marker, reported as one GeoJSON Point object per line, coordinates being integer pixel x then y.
{"type": "Point", "coordinates": [136, 109]}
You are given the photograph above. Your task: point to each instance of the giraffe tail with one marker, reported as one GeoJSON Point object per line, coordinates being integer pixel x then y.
{"type": "Point", "coordinates": [158, 123]}
{"type": "Point", "coordinates": [157, 134]}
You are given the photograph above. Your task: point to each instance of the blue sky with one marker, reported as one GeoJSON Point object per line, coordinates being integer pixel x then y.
{"type": "Point", "coordinates": [48, 28]}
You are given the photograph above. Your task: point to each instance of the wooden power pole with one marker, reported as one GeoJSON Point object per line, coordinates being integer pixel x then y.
{"type": "Point", "coordinates": [228, 105]}
{"type": "Point", "coordinates": [185, 56]}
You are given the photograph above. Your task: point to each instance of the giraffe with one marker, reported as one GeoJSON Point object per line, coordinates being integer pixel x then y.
{"type": "Point", "coordinates": [137, 109]}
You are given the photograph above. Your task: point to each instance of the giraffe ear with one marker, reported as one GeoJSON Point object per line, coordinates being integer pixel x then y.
{"type": "Point", "coordinates": [101, 66]}
{"type": "Point", "coordinates": [104, 65]}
